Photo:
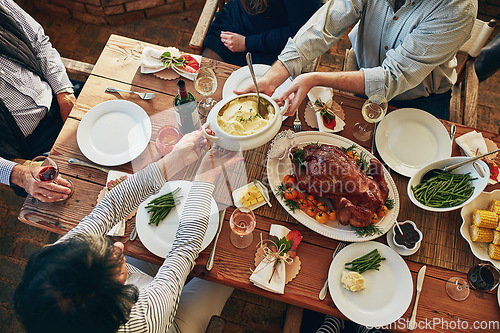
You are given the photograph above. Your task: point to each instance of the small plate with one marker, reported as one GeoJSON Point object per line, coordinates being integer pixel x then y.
{"type": "Point", "coordinates": [114, 132]}
{"type": "Point", "coordinates": [398, 249]}
{"type": "Point", "coordinates": [408, 139]}
{"type": "Point", "coordinates": [480, 250]}
{"type": "Point", "coordinates": [236, 195]}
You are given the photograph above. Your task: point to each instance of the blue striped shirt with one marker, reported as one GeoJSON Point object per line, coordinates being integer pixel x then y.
{"type": "Point", "coordinates": [404, 55]}
{"type": "Point", "coordinates": [157, 304]}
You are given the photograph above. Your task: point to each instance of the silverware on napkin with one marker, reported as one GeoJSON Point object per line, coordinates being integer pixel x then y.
{"type": "Point", "coordinates": [75, 161]}
{"type": "Point", "coordinates": [322, 293]}
{"type": "Point", "coordinates": [210, 261]}
{"type": "Point", "coordinates": [420, 281]}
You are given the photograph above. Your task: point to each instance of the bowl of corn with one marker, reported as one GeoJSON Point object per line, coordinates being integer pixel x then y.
{"type": "Point", "coordinates": [481, 227]}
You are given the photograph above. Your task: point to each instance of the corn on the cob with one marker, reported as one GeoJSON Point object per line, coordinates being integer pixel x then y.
{"type": "Point", "coordinates": [496, 237]}
{"type": "Point", "coordinates": [494, 251]}
{"type": "Point", "coordinates": [481, 234]}
{"type": "Point", "coordinates": [484, 219]}
{"type": "Point", "coordinates": [495, 207]}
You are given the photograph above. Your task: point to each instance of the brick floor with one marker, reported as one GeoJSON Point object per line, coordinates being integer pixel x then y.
{"type": "Point", "coordinates": [244, 312]}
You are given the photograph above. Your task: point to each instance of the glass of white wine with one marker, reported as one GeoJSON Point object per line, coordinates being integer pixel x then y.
{"type": "Point", "coordinates": [373, 110]}
{"type": "Point", "coordinates": [242, 223]}
{"type": "Point", "coordinates": [205, 84]}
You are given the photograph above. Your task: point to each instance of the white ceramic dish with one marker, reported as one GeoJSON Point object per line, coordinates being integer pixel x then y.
{"type": "Point", "coordinates": [388, 291]}
{"type": "Point", "coordinates": [237, 192]}
{"type": "Point", "coordinates": [235, 143]}
{"type": "Point", "coordinates": [480, 250]}
{"type": "Point", "coordinates": [159, 239]}
{"type": "Point", "coordinates": [277, 169]}
{"type": "Point", "coordinates": [114, 132]}
{"type": "Point", "coordinates": [400, 250]}
{"type": "Point", "coordinates": [479, 183]}
{"type": "Point", "coordinates": [408, 139]}
{"type": "Point", "coordinates": [417, 244]}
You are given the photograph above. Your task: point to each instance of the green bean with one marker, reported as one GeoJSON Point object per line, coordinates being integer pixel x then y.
{"type": "Point", "coordinates": [444, 190]}
{"type": "Point", "coordinates": [369, 261]}
{"type": "Point", "coordinates": [161, 206]}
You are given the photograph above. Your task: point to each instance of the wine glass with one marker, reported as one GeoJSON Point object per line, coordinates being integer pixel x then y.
{"type": "Point", "coordinates": [242, 223]}
{"type": "Point", "coordinates": [44, 169]}
{"type": "Point", "coordinates": [205, 84]}
{"type": "Point", "coordinates": [373, 110]}
{"type": "Point", "coordinates": [481, 277]}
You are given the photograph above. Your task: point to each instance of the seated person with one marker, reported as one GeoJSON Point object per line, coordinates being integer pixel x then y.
{"type": "Point", "coordinates": [405, 51]}
{"type": "Point", "coordinates": [261, 27]}
{"type": "Point", "coordinates": [82, 282]}
{"type": "Point", "coordinates": [487, 62]}
{"type": "Point", "coordinates": [36, 97]}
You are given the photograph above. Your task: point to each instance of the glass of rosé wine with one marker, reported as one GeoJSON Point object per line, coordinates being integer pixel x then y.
{"type": "Point", "coordinates": [242, 223]}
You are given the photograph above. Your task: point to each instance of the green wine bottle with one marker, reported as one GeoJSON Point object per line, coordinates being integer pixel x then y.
{"type": "Point", "coordinates": [186, 109]}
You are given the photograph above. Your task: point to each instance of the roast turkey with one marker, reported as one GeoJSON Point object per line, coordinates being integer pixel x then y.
{"type": "Point", "coordinates": [327, 171]}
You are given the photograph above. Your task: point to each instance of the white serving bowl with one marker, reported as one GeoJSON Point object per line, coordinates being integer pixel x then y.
{"type": "Point", "coordinates": [234, 142]}
{"type": "Point", "coordinates": [479, 183]}
{"type": "Point", "coordinates": [417, 244]}
{"type": "Point", "coordinates": [480, 250]}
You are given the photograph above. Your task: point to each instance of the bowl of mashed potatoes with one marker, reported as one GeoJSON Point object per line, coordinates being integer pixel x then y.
{"type": "Point", "coordinates": [235, 123]}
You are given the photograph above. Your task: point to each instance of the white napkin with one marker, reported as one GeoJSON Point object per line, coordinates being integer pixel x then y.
{"type": "Point", "coordinates": [262, 273]}
{"type": "Point", "coordinates": [151, 63]}
{"type": "Point", "coordinates": [119, 228]}
{"type": "Point", "coordinates": [339, 124]}
{"type": "Point", "coordinates": [472, 143]}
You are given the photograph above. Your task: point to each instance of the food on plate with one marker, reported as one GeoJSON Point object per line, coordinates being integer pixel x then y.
{"type": "Point", "coordinates": [251, 196]}
{"type": "Point", "coordinates": [484, 218]}
{"type": "Point", "coordinates": [352, 281]}
{"type": "Point", "coordinates": [478, 234]}
{"type": "Point", "coordinates": [185, 62]}
{"type": "Point", "coordinates": [369, 261]}
{"type": "Point", "coordinates": [321, 217]}
{"type": "Point", "coordinates": [160, 207]}
{"type": "Point", "coordinates": [494, 251]}
{"type": "Point", "coordinates": [240, 116]}
{"type": "Point", "coordinates": [327, 171]}
{"type": "Point", "coordinates": [444, 190]}
{"type": "Point", "coordinates": [485, 228]}
{"type": "Point", "coordinates": [115, 182]}
{"type": "Point", "coordinates": [495, 207]}
{"type": "Point", "coordinates": [410, 236]}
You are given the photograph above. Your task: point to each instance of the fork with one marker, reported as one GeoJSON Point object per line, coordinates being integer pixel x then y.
{"type": "Point", "coordinates": [143, 95]}
{"type": "Point", "coordinates": [297, 125]}
{"type": "Point", "coordinates": [322, 293]}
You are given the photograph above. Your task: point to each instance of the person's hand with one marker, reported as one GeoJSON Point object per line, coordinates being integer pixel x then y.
{"type": "Point", "coordinates": [66, 102]}
{"type": "Point", "coordinates": [43, 191]}
{"type": "Point", "coordinates": [297, 92]}
{"type": "Point", "coordinates": [233, 41]}
{"type": "Point", "coordinates": [268, 83]}
{"type": "Point", "coordinates": [215, 160]}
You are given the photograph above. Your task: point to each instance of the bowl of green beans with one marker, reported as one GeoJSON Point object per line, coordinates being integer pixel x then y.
{"type": "Point", "coordinates": [447, 191]}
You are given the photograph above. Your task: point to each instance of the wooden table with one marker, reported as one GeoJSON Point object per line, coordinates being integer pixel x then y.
{"type": "Point", "coordinates": [232, 266]}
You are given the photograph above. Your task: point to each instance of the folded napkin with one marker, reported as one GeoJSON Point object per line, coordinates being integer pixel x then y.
{"type": "Point", "coordinates": [119, 228]}
{"type": "Point", "coordinates": [261, 277]}
{"type": "Point", "coordinates": [150, 61]}
{"type": "Point", "coordinates": [472, 143]}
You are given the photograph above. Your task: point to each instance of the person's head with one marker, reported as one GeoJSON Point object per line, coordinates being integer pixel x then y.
{"type": "Point", "coordinates": [75, 286]}
{"type": "Point", "coordinates": [254, 7]}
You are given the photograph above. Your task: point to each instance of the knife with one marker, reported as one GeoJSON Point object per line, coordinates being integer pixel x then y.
{"type": "Point", "coordinates": [74, 161]}
{"type": "Point", "coordinates": [263, 190]}
{"type": "Point", "coordinates": [420, 281]}
{"type": "Point", "coordinates": [210, 261]}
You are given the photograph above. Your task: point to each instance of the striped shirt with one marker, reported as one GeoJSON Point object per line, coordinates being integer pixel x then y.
{"type": "Point", "coordinates": [157, 304]}
{"type": "Point", "coordinates": [24, 93]}
{"type": "Point", "coordinates": [404, 55]}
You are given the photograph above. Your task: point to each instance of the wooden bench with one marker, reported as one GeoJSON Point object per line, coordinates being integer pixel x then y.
{"type": "Point", "coordinates": [77, 67]}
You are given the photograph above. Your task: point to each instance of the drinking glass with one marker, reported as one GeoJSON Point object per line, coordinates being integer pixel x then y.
{"type": "Point", "coordinates": [242, 223]}
{"type": "Point", "coordinates": [481, 277]}
{"type": "Point", "coordinates": [44, 169]}
{"type": "Point", "coordinates": [205, 84]}
{"type": "Point", "coordinates": [373, 110]}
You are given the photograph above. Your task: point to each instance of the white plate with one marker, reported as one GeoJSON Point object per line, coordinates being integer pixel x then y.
{"type": "Point", "coordinates": [241, 78]}
{"type": "Point", "coordinates": [408, 139]}
{"type": "Point", "coordinates": [388, 291]}
{"type": "Point", "coordinates": [114, 132]}
{"type": "Point", "coordinates": [277, 169]}
{"type": "Point", "coordinates": [237, 192]}
{"type": "Point", "coordinates": [478, 183]}
{"type": "Point", "coordinates": [480, 250]}
{"type": "Point", "coordinates": [159, 239]}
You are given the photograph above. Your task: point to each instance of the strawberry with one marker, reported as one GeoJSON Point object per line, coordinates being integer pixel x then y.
{"type": "Point", "coordinates": [328, 119]}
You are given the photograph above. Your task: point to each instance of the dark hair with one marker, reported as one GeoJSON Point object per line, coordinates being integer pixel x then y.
{"type": "Point", "coordinates": [72, 286]}
{"type": "Point", "coordinates": [254, 7]}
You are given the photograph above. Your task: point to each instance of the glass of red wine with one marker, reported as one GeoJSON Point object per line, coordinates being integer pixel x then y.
{"type": "Point", "coordinates": [481, 277]}
{"type": "Point", "coordinates": [44, 169]}
{"type": "Point", "coordinates": [242, 223]}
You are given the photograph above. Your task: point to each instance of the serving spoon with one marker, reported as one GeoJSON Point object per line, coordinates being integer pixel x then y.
{"type": "Point", "coordinates": [262, 108]}
{"type": "Point", "coordinates": [433, 172]}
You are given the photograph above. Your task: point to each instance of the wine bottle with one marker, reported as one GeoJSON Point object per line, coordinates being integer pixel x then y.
{"type": "Point", "coordinates": [186, 109]}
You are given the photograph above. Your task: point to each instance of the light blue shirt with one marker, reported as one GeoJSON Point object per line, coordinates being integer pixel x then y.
{"type": "Point", "coordinates": [404, 55]}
